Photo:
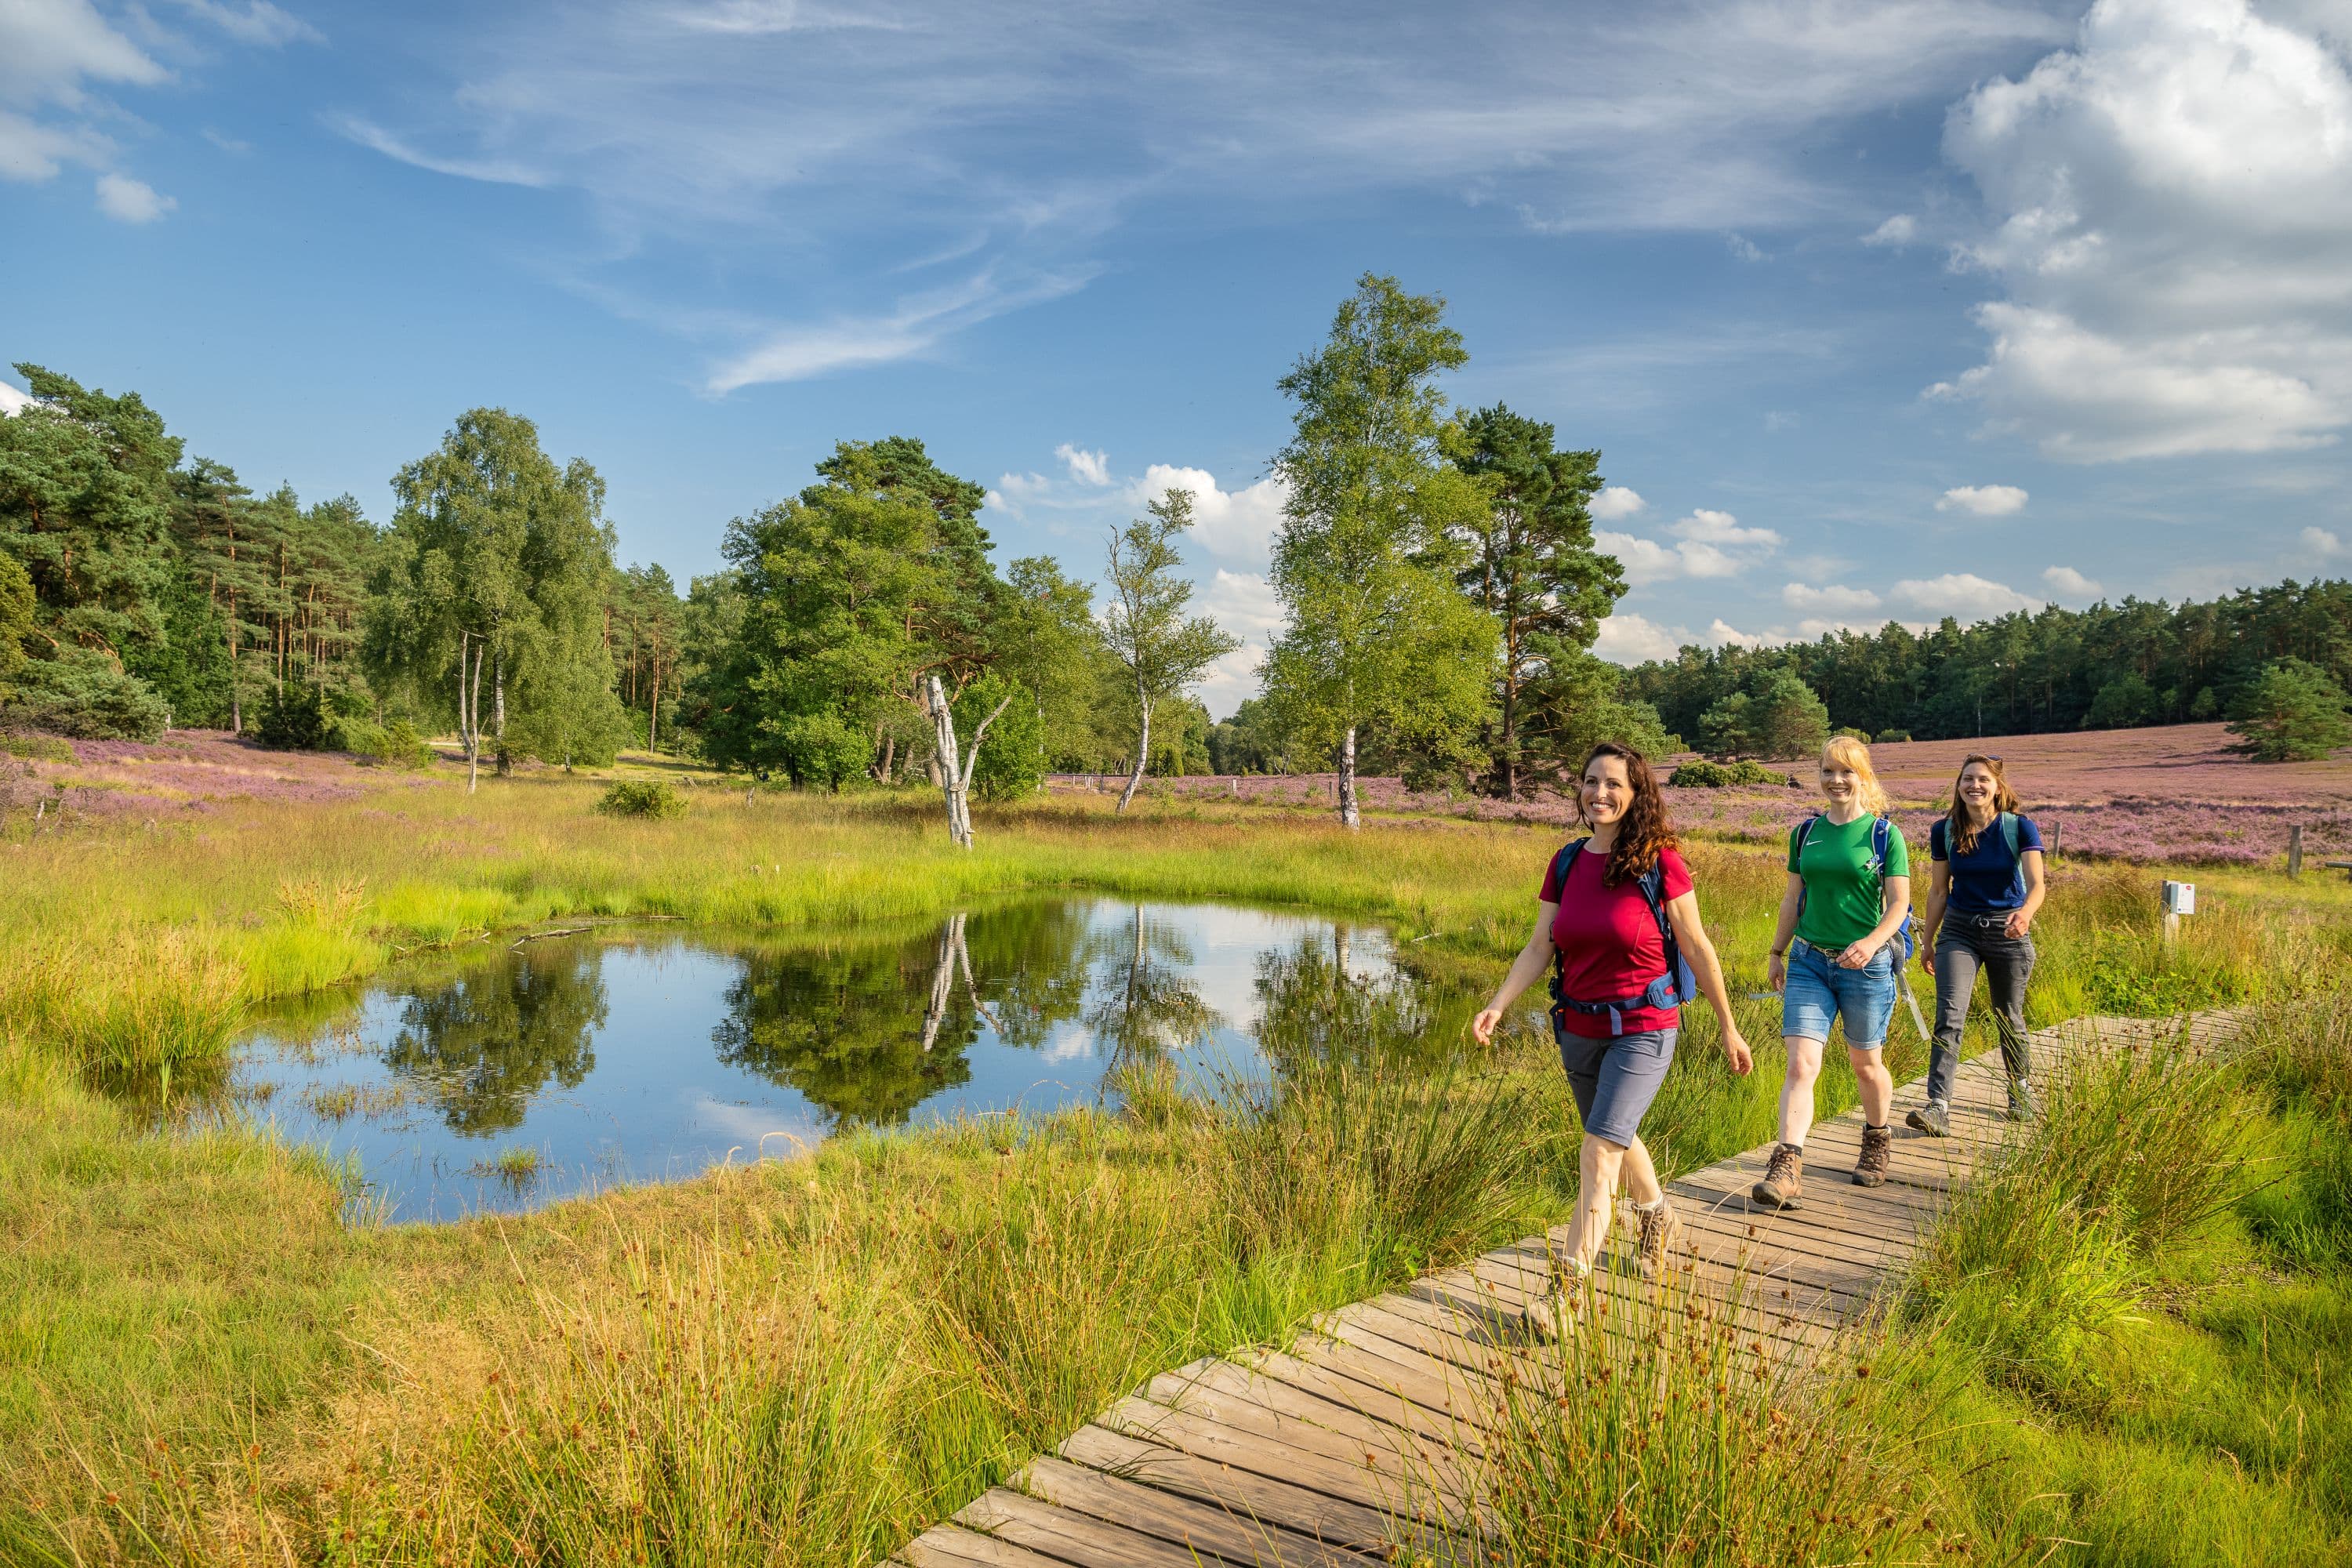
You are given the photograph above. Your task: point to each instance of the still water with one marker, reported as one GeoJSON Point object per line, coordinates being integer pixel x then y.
{"type": "Point", "coordinates": [512, 1077]}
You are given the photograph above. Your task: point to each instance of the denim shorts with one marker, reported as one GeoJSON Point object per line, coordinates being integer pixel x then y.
{"type": "Point", "coordinates": [1820, 992]}
{"type": "Point", "coordinates": [1615, 1077]}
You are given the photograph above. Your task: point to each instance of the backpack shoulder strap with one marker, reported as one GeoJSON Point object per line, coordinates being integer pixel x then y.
{"type": "Point", "coordinates": [1564, 862]}
{"type": "Point", "coordinates": [2012, 834]}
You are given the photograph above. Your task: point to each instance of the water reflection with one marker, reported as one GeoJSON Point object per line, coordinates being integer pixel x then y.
{"type": "Point", "coordinates": [628, 1057]}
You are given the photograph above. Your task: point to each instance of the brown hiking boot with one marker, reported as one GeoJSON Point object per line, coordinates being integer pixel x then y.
{"type": "Point", "coordinates": [1784, 1179]}
{"type": "Point", "coordinates": [1662, 1236]}
{"type": "Point", "coordinates": [1877, 1153]}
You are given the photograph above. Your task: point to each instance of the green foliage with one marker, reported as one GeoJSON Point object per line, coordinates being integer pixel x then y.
{"type": "Point", "coordinates": [1012, 762]}
{"type": "Point", "coordinates": [1250, 742]}
{"type": "Point", "coordinates": [567, 711]}
{"type": "Point", "coordinates": [1162, 649]}
{"type": "Point", "coordinates": [1529, 563]}
{"type": "Point", "coordinates": [1582, 702]}
{"type": "Point", "coordinates": [1778, 716]}
{"type": "Point", "coordinates": [16, 619]}
{"type": "Point", "coordinates": [2293, 711]}
{"type": "Point", "coordinates": [819, 748]}
{"type": "Point", "coordinates": [2122, 703]}
{"type": "Point", "coordinates": [296, 720]}
{"type": "Point", "coordinates": [1378, 638]}
{"type": "Point", "coordinates": [83, 693]}
{"type": "Point", "coordinates": [1893, 737]}
{"type": "Point", "coordinates": [2024, 673]}
{"type": "Point", "coordinates": [393, 745]}
{"type": "Point", "coordinates": [642, 797]}
{"type": "Point", "coordinates": [1700, 773]}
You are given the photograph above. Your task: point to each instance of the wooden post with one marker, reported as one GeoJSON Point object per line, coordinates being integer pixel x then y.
{"type": "Point", "coordinates": [2055, 829]}
{"type": "Point", "coordinates": [2295, 850]}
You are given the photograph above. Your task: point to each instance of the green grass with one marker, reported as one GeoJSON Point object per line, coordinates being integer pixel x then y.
{"type": "Point", "coordinates": [819, 1356]}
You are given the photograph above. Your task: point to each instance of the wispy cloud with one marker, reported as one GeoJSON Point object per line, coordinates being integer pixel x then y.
{"type": "Point", "coordinates": [799, 353]}
{"type": "Point", "coordinates": [491, 171]}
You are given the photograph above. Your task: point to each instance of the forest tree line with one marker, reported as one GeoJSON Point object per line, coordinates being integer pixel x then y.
{"type": "Point", "coordinates": [1435, 566]}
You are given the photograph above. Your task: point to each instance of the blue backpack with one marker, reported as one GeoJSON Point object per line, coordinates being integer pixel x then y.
{"type": "Point", "coordinates": [1882, 834]}
{"type": "Point", "coordinates": [1672, 989]}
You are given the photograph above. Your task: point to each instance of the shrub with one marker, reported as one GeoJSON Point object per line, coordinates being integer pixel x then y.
{"type": "Point", "coordinates": [1862, 735]}
{"type": "Point", "coordinates": [642, 797]}
{"type": "Point", "coordinates": [83, 693]}
{"type": "Point", "coordinates": [1703, 774]}
{"type": "Point", "coordinates": [393, 745]}
{"type": "Point", "coordinates": [2292, 713]}
{"type": "Point", "coordinates": [295, 720]}
{"type": "Point", "coordinates": [1892, 738]}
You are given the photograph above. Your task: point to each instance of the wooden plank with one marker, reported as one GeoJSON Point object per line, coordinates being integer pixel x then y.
{"type": "Point", "coordinates": [1245, 1448]}
{"type": "Point", "coordinates": [945, 1546]}
{"type": "Point", "coordinates": [1408, 1472]}
{"type": "Point", "coordinates": [1180, 1521]}
{"type": "Point", "coordinates": [1317, 1516]}
{"type": "Point", "coordinates": [1229, 1380]}
{"type": "Point", "coordinates": [1355, 1380]}
{"type": "Point", "coordinates": [1077, 1539]}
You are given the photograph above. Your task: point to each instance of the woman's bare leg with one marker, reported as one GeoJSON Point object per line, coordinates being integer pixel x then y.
{"type": "Point", "coordinates": [1797, 1088]}
{"type": "Point", "coordinates": [1597, 1164]}
{"type": "Point", "coordinates": [1877, 1085]}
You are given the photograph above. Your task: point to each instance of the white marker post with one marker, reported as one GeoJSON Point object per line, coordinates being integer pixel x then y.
{"type": "Point", "coordinates": [2180, 899]}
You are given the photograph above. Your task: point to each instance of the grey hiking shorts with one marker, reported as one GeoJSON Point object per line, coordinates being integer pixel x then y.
{"type": "Point", "coordinates": [1615, 1077]}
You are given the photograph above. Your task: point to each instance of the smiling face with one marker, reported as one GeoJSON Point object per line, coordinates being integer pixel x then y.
{"type": "Point", "coordinates": [1978, 789]}
{"type": "Point", "coordinates": [1607, 792]}
{"type": "Point", "coordinates": [1841, 786]}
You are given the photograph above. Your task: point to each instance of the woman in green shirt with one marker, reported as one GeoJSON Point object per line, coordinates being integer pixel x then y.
{"type": "Point", "coordinates": [1849, 892]}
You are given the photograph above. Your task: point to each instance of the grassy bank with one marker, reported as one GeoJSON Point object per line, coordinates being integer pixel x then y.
{"type": "Point", "coordinates": [203, 1358]}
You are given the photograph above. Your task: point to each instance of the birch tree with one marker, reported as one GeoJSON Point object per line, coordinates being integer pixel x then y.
{"type": "Point", "coordinates": [1377, 632]}
{"type": "Point", "coordinates": [1162, 649]}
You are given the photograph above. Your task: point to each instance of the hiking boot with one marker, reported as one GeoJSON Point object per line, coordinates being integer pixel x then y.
{"type": "Point", "coordinates": [1662, 1234]}
{"type": "Point", "coordinates": [1877, 1153]}
{"type": "Point", "coordinates": [1934, 1119]}
{"type": "Point", "coordinates": [2022, 1106]}
{"type": "Point", "coordinates": [1784, 1178]}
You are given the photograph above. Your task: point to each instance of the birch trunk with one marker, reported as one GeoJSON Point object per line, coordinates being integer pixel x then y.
{"type": "Point", "coordinates": [1142, 753]}
{"type": "Point", "coordinates": [945, 764]}
{"type": "Point", "coordinates": [1350, 813]}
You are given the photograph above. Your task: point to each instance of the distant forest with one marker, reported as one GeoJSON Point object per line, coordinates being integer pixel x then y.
{"type": "Point", "coordinates": [2109, 666]}
{"type": "Point", "coordinates": [1440, 583]}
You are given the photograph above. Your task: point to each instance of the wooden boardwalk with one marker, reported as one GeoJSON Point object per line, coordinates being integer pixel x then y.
{"type": "Point", "coordinates": [1354, 1440]}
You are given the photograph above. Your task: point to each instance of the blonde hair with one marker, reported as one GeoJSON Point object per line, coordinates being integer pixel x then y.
{"type": "Point", "coordinates": [1845, 752]}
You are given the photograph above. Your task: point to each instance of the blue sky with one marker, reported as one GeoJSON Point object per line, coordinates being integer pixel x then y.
{"type": "Point", "coordinates": [1874, 308]}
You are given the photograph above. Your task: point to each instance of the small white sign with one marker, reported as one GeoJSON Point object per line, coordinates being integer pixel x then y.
{"type": "Point", "coordinates": [2180, 897]}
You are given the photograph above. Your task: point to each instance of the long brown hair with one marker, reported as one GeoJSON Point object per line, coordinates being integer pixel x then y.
{"type": "Point", "coordinates": [1644, 832]}
{"type": "Point", "coordinates": [1959, 839]}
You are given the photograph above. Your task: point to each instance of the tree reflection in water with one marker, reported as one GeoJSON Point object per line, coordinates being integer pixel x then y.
{"type": "Point", "coordinates": [482, 1043]}
{"type": "Point", "coordinates": [1320, 1006]}
{"type": "Point", "coordinates": [1146, 1005]}
{"type": "Point", "coordinates": [870, 1030]}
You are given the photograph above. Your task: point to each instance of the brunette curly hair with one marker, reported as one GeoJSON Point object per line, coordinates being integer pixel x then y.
{"type": "Point", "coordinates": [1960, 837]}
{"type": "Point", "coordinates": [1644, 833]}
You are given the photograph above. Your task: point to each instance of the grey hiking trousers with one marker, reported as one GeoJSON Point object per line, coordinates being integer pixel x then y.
{"type": "Point", "coordinates": [1966, 943]}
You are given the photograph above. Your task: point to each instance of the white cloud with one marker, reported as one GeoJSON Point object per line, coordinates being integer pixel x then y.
{"type": "Point", "coordinates": [1615, 502]}
{"type": "Point", "coordinates": [915, 328]}
{"type": "Point", "coordinates": [261, 24]}
{"type": "Point", "coordinates": [1628, 638]}
{"type": "Point", "coordinates": [2068, 584]}
{"type": "Point", "coordinates": [1238, 525]}
{"type": "Point", "coordinates": [11, 399]}
{"type": "Point", "coordinates": [131, 201]}
{"type": "Point", "coordinates": [1743, 248]}
{"type": "Point", "coordinates": [2319, 542]}
{"type": "Point", "coordinates": [51, 53]}
{"type": "Point", "coordinates": [1706, 543]}
{"type": "Point", "coordinates": [489, 171]}
{"type": "Point", "coordinates": [1963, 596]}
{"type": "Point", "coordinates": [1833, 598]}
{"type": "Point", "coordinates": [1983, 500]}
{"type": "Point", "coordinates": [1778, 420]}
{"type": "Point", "coordinates": [1087, 468]}
{"type": "Point", "coordinates": [1243, 603]}
{"type": "Point", "coordinates": [1896, 232]}
{"type": "Point", "coordinates": [2168, 202]}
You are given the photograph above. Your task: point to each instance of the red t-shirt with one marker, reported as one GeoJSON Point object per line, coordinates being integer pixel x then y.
{"type": "Point", "coordinates": [1609, 946]}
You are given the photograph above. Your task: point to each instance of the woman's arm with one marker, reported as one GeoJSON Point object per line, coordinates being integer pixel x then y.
{"type": "Point", "coordinates": [1898, 904]}
{"type": "Point", "coordinates": [2037, 888]}
{"type": "Point", "coordinates": [1699, 954]}
{"type": "Point", "coordinates": [1776, 969]}
{"type": "Point", "coordinates": [1939, 893]}
{"type": "Point", "coordinates": [1526, 969]}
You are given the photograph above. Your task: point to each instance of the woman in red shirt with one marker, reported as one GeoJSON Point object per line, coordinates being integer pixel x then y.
{"type": "Point", "coordinates": [1618, 914]}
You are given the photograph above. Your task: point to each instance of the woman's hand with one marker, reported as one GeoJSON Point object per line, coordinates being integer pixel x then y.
{"type": "Point", "coordinates": [2017, 925]}
{"type": "Point", "coordinates": [1776, 972]}
{"type": "Point", "coordinates": [1734, 1048]}
{"type": "Point", "coordinates": [1483, 1027]}
{"type": "Point", "coordinates": [1859, 955]}
{"type": "Point", "coordinates": [1927, 956]}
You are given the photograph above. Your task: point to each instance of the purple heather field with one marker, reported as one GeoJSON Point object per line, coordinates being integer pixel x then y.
{"type": "Point", "coordinates": [2174, 794]}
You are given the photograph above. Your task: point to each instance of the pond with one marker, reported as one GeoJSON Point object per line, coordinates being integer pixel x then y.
{"type": "Point", "coordinates": [510, 1077]}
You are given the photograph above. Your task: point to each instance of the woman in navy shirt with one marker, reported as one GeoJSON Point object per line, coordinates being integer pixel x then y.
{"type": "Point", "coordinates": [1986, 885]}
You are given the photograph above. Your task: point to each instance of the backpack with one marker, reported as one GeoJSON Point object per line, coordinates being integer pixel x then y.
{"type": "Point", "coordinates": [2011, 835]}
{"type": "Point", "coordinates": [1671, 989]}
{"type": "Point", "coordinates": [1881, 832]}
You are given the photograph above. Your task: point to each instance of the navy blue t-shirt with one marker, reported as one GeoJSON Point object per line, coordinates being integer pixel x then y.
{"type": "Point", "coordinates": [1988, 878]}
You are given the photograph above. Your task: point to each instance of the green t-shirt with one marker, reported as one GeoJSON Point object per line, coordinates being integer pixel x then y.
{"type": "Point", "coordinates": [1844, 894]}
